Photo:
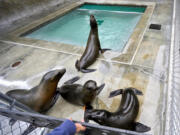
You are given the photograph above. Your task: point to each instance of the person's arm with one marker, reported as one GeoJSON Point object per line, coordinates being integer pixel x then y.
{"type": "Point", "coordinates": [67, 128]}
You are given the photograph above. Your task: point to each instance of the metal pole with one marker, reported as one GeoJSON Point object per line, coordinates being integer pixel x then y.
{"type": "Point", "coordinates": [10, 100]}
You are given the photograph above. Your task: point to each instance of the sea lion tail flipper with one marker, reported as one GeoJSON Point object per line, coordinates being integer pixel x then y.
{"type": "Point", "coordinates": [138, 127]}
{"type": "Point", "coordinates": [73, 80]}
{"type": "Point", "coordinates": [29, 129]}
{"type": "Point", "coordinates": [99, 89]}
{"type": "Point", "coordinates": [103, 50]}
{"type": "Point", "coordinates": [137, 92]}
{"type": "Point", "coordinates": [87, 70]}
{"type": "Point", "coordinates": [115, 93]}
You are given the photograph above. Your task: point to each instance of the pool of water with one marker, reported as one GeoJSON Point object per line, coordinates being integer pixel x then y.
{"type": "Point", "coordinates": [115, 26]}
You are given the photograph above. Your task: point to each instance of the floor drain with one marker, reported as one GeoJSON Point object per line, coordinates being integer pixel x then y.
{"type": "Point", "coordinates": [16, 64]}
{"type": "Point", "coordinates": [155, 26]}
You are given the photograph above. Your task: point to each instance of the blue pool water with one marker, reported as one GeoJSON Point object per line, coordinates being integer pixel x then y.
{"type": "Point", "coordinates": [115, 28]}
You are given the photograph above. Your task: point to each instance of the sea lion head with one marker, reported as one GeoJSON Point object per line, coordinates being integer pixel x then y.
{"type": "Point", "coordinates": [93, 22]}
{"type": "Point", "coordinates": [90, 91]}
{"type": "Point", "coordinates": [90, 85]}
{"type": "Point", "coordinates": [53, 77]}
{"type": "Point", "coordinates": [99, 116]}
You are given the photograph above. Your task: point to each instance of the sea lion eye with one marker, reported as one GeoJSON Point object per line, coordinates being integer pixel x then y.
{"type": "Point", "coordinates": [99, 114]}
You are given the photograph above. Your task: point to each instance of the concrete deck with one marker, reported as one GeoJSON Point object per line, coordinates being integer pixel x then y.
{"type": "Point", "coordinates": [146, 69]}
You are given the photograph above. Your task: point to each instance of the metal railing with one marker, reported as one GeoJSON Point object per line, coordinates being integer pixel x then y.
{"type": "Point", "coordinates": [12, 109]}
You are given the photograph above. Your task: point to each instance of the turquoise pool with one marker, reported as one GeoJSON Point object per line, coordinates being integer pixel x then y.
{"type": "Point", "coordinates": [115, 25]}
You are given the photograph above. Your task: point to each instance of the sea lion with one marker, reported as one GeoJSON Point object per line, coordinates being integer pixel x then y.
{"type": "Point", "coordinates": [43, 96]}
{"type": "Point", "coordinates": [92, 49]}
{"type": "Point", "coordinates": [78, 94]}
{"type": "Point", "coordinates": [125, 115]}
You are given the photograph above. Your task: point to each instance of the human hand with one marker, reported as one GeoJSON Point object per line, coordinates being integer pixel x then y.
{"type": "Point", "coordinates": [79, 127]}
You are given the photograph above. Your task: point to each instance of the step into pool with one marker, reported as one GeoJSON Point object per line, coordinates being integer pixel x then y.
{"type": "Point", "coordinates": [115, 26]}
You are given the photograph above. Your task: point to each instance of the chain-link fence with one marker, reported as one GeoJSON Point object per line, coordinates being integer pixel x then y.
{"type": "Point", "coordinates": [17, 128]}
{"type": "Point", "coordinates": [9, 126]}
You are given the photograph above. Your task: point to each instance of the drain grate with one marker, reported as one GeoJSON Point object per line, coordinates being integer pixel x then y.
{"type": "Point", "coordinates": [155, 26]}
{"type": "Point", "coordinates": [16, 64]}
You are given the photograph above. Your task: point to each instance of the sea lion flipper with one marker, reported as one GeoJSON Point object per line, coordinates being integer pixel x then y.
{"type": "Point", "coordinates": [103, 50]}
{"type": "Point", "coordinates": [99, 22]}
{"type": "Point", "coordinates": [115, 93]}
{"type": "Point", "coordinates": [29, 129]}
{"type": "Point", "coordinates": [138, 127]}
{"type": "Point", "coordinates": [87, 70]}
{"type": "Point", "coordinates": [55, 98]}
{"type": "Point", "coordinates": [99, 89]}
{"type": "Point", "coordinates": [53, 101]}
{"type": "Point", "coordinates": [73, 80]}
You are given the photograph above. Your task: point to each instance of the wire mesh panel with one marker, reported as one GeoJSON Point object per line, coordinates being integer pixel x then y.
{"type": "Point", "coordinates": [9, 126]}
{"type": "Point", "coordinates": [17, 129]}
